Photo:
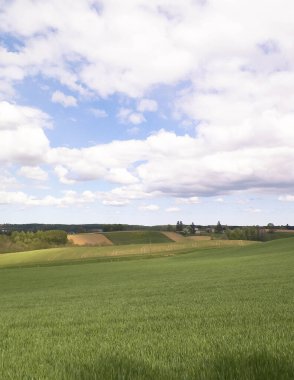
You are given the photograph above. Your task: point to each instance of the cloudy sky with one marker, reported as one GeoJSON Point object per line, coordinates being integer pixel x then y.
{"type": "Point", "coordinates": [147, 111]}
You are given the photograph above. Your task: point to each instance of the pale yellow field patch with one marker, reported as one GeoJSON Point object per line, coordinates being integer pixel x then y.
{"type": "Point", "coordinates": [173, 235]}
{"type": "Point", "coordinates": [94, 238]}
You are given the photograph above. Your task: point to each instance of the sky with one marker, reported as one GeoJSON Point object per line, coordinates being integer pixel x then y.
{"type": "Point", "coordinates": [147, 111]}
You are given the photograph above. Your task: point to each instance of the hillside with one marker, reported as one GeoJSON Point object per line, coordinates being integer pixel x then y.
{"type": "Point", "coordinates": [223, 313]}
{"type": "Point", "coordinates": [97, 239]}
{"type": "Point", "coordinates": [75, 254]}
{"type": "Point", "coordinates": [137, 237]}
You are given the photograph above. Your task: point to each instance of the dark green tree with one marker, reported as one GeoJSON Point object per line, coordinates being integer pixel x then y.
{"type": "Point", "coordinates": [179, 226]}
{"type": "Point", "coordinates": [271, 228]}
{"type": "Point", "coordinates": [219, 227]}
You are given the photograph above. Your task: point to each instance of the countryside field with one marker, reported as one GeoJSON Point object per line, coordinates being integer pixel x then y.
{"type": "Point", "coordinates": [137, 237]}
{"type": "Point", "coordinates": [105, 253]}
{"type": "Point", "coordinates": [214, 313]}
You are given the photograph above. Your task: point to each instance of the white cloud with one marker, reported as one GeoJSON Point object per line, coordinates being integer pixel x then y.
{"type": "Point", "coordinates": [99, 113]}
{"type": "Point", "coordinates": [7, 181]}
{"type": "Point", "coordinates": [136, 118]}
{"type": "Point", "coordinates": [68, 199]}
{"type": "Point", "coordinates": [62, 174]}
{"type": "Point", "coordinates": [286, 198]}
{"type": "Point", "coordinates": [179, 166]}
{"type": "Point", "coordinates": [126, 115]}
{"type": "Point", "coordinates": [147, 105]}
{"type": "Point", "coordinates": [234, 82]}
{"type": "Point", "coordinates": [188, 201]}
{"type": "Point", "coordinates": [172, 209]}
{"type": "Point", "coordinates": [141, 45]}
{"type": "Point", "coordinates": [33, 172]}
{"type": "Point", "coordinates": [115, 202]}
{"type": "Point", "coordinates": [22, 137]}
{"type": "Point", "coordinates": [253, 210]}
{"type": "Point", "coordinates": [64, 100]}
{"type": "Point", "coordinates": [122, 196]}
{"type": "Point", "coordinates": [149, 208]}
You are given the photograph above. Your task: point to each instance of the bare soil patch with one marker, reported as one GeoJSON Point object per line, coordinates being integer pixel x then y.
{"type": "Point", "coordinates": [89, 239]}
{"type": "Point", "coordinates": [174, 236]}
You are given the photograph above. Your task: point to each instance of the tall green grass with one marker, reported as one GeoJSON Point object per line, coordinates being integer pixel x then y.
{"type": "Point", "coordinates": [55, 256]}
{"type": "Point", "coordinates": [137, 237]}
{"type": "Point", "coordinates": [211, 314]}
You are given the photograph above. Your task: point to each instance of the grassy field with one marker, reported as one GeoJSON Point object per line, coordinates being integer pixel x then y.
{"type": "Point", "coordinates": [223, 313]}
{"type": "Point", "coordinates": [75, 254]}
{"type": "Point", "coordinates": [137, 237]}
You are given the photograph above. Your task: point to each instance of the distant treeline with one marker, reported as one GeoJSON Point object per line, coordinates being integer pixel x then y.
{"type": "Point", "coordinates": [102, 227]}
{"type": "Point", "coordinates": [21, 241]}
{"type": "Point", "coordinates": [77, 228]}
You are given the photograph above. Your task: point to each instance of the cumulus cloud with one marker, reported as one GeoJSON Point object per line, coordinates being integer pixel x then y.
{"type": "Point", "coordinates": [33, 172]}
{"type": "Point", "coordinates": [22, 136]}
{"type": "Point", "coordinates": [99, 113]}
{"type": "Point", "coordinates": [147, 105]}
{"type": "Point", "coordinates": [126, 115]}
{"type": "Point", "coordinates": [133, 57]}
{"type": "Point", "coordinates": [64, 100]}
{"type": "Point", "coordinates": [62, 174]}
{"type": "Point", "coordinates": [183, 167]}
{"type": "Point", "coordinates": [122, 196]}
{"type": "Point", "coordinates": [172, 209]}
{"type": "Point", "coordinates": [7, 181]}
{"type": "Point", "coordinates": [149, 208]}
{"type": "Point", "coordinates": [253, 210]}
{"type": "Point", "coordinates": [188, 201]}
{"type": "Point", "coordinates": [115, 203]}
{"type": "Point", "coordinates": [235, 84]}
{"type": "Point", "coordinates": [68, 199]}
{"type": "Point", "coordinates": [286, 198]}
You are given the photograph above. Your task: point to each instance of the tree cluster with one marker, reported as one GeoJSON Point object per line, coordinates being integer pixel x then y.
{"type": "Point", "coordinates": [18, 241]}
{"type": "Point", "coordinates": [246, 233]}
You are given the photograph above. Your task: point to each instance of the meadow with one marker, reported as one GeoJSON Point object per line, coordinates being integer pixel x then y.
{"type": "Point", "coordinates": [136, 237]}
{"type": "Point", "coordinates": [214, 313]}
{"type": "Point", "coordinates": [76, 254]}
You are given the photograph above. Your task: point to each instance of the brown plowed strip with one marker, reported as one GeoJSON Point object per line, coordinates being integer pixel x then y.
{"type": "Point", "coordinates": [89, 239]}
{"type": "Point", "coordinates": [173, 236]}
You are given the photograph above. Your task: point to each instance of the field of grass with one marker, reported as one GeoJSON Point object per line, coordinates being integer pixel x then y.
{"type": "Point", "coordinates": [75, 254]}
{"type": "Point", "coordinates": [223, 313]}
{"type": "Point", "coordinates": [137, 237]}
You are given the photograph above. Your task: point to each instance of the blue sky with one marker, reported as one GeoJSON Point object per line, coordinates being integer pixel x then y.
{"type": "Point", "coordinates": [146, 112]}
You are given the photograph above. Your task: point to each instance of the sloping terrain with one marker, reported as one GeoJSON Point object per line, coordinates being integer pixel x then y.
{"type": "Point", "coordinates": [53, 256]}
{"type": "Point", "coordinates": [210, 314]}
{"type": "Point", "coordinates": [89, 239]}
{"type": "Point", "coordinates": [174, 236]}
{"type": "Point", "coordinates": [137, 237]}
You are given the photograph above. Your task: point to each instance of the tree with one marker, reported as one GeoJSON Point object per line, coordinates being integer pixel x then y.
{"type": "Point", "coordinates": [193, 228]}
{"type": "Point", "coordinates": [186, 231]}
{"type": "Point", "coordinates": [271, 228]}
{"type": "Point", "coordinates": [219, 227]}
{"type": "Point", "coordinates": [179, 226]}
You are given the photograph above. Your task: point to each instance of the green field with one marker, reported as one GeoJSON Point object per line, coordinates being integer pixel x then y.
{"type": "Point", "coordinates": [215, 313]}
{"type": "Point", "coordinates": [69, 255]}
{"type": "Point", "coordinates": [137, 237]}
